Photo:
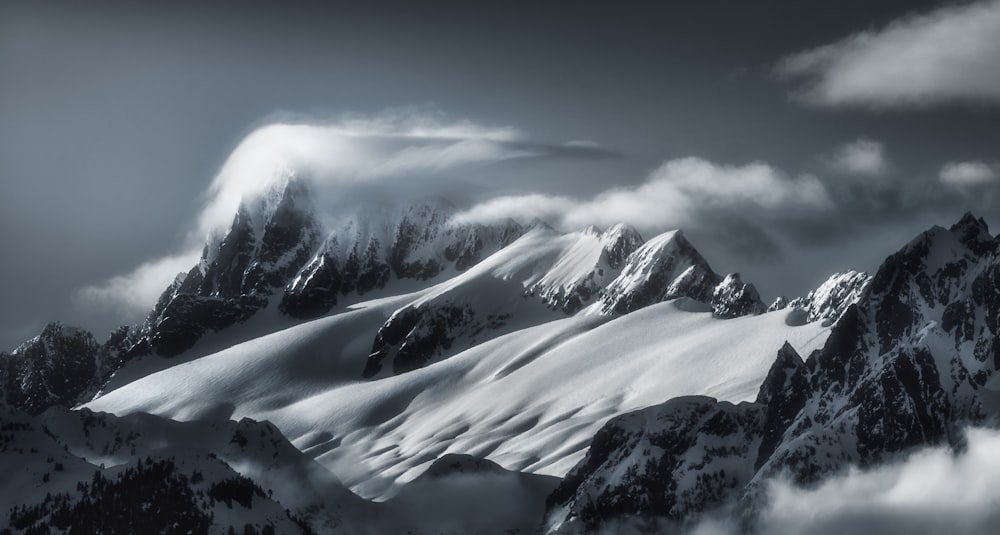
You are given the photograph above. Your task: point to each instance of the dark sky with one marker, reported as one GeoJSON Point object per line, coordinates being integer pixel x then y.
{"type": "Point", "coordinates": [114, 119]}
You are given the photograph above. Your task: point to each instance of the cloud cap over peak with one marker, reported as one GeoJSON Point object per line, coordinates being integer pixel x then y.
{"type": "Point", "coordinates": [401, 154]}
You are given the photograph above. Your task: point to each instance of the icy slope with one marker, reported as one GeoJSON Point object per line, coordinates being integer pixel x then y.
{"type": "Point", "coordinates": [530, 400]}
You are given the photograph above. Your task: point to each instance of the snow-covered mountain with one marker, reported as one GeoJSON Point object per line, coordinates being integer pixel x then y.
{"type": "Point", "coordinates": [910, 364]}
{"type": "Point", "coordinates": [279, 251]}
{"type": "Point", "coordinates": [283, 261]}
{"type": "Point", "coordinates": [829, 301]}
{"type": "Point", "coordinates": [60, 366]}
{"type": "Point", "coordinates": [589, 377]}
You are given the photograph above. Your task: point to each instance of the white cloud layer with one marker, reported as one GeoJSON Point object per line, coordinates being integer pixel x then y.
{"type": "Point", "coordinates": [677, 194]}
{"type": "Point", "coordinates": [968, 174]}
{"type": "Point", "coordinates": [950, 54]}
{"type": "Point", "coordinates": [133, 295]}
{"type": "Point", "coordinates": [933, 491]}
{"type": "Point", "coordinates": [863, 157]}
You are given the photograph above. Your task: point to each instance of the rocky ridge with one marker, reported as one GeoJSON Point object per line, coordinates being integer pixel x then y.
{"type": "Point", "coordinates": [911, 364]}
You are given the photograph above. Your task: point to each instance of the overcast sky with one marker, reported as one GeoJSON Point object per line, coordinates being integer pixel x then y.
{"type": "Point", "coordinates": [789, 140]}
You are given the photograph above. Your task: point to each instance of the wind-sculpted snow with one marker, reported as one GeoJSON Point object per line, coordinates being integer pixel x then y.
{"type": "Point", "coordinates": [545, 276]}
{"type": "Point", "coordinates": [480, 281]}
{"type": "Point", "coordinates": [541, 277]}
{"type": "Point", "coordinates": [912, 364]}
{"type": "Point", "coordinates": [528, 400]}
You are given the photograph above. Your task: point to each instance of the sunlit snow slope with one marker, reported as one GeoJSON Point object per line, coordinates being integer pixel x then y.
{"type": "Point", "coordinates": [530, 400]}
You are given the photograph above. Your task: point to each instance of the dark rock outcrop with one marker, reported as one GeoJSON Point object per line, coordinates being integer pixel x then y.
{"type": "Point", "coordinates": [54, 368]}
{"type": "Point", "coordinates": [665, 462]}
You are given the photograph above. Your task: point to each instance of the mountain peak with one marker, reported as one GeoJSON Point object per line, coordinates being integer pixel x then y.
{"type": "Point", "coordinates": [733, 298]}
{"type": "Point", "coordinates": [830, 300]}
{"type": "Point", "coordinates": [969, 220]}
{"type": "Point", "coordinates": [973, 232]}
{"type": "Point", "coordinates": [619, 242]}
{"type": "Point", "coordinates": [668, 267]}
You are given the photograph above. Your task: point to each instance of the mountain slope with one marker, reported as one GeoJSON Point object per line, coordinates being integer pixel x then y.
{"type": "Point", "coordinates": [545, 275]}
{"type": "Point", "coordinates": [911, 364]}
{"type": "Point", "coordinates": [528, 400]}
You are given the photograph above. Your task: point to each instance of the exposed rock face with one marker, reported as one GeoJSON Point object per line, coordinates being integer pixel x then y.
{"type": "Point", "coordinates": [418, 243]}
{"type": "Point", "coordinates": [652, 270]}
{"type": "Point", "coordinates": [733, 298]}
{"type": "Point", "coordinates": [784, 392]}
{"type": "Point", "coordinates": [413, 335]}
{"type": "Point", "coordinates": [667, 267]}
{"type": "Point", "coordinates": [271, 237]}
{"type": "Point", "coordinates": [275, 250]}
{"type": "Point", "coordinates": [911, 364]}
{"type": "Point", "coordinates": [55, 367]}
{"type": "Point", "coordinates": [572, 292]}
{"type": "Point", "coordinates": [664, 462]}
{"type": "Point", "coordinates": [61, 366]}
{"type": "Point", "coordinates": [832, 298]}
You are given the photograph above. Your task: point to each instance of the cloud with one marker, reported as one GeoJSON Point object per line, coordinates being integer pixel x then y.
{"type": "Point", "coordinates": [133, 294]}
{"type": "Point", "coordinates": [950, 54]}
{"type": "Point", "coordinates": [862, 157]}
{"type": "Point", "coordinates": [679, 193]}
{"type": "Point", "coordinates": [968, 174]}
{"type": "Point", "coordinates": [439, 157]}
{"type": "Point", "coordinates": [933, 491]}
{"type": "Point", "coordinates": [420, 122]}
